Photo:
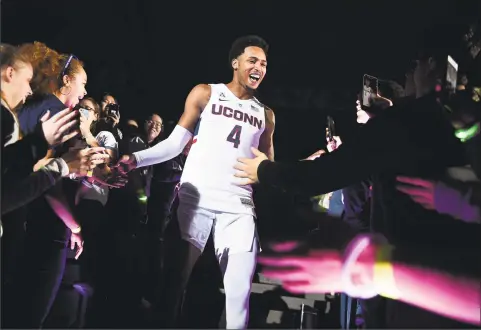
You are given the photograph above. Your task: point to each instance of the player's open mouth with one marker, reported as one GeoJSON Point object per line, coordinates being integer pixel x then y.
{"type": "Point", "coordinates": [254, 77]}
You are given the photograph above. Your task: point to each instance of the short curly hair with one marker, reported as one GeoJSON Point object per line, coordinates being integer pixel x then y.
{"type": "Point", "coordinates": [240, 44]}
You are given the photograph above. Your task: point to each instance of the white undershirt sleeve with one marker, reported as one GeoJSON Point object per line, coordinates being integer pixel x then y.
{"type": "Point", "coordinates": [164, 150]}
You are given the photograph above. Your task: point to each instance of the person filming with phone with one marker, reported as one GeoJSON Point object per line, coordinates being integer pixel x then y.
{"type": "Point", "coordinates": [110, 111]}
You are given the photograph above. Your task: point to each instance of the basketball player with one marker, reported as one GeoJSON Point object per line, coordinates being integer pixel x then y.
{"type": "Point", "coordinates": [225, 122]}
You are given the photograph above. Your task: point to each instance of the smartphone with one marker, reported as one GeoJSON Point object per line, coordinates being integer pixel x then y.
{"type": "Point", "coordinates": [370, 87]}
{"type": "Point", "coordinates": [451, 75]}
{"type": "Point", "coordinates": [112, 109]}
{"type": "Point", "coordinates": [330, 129]}
{"type": "Point", "coordinates": [84, 112]}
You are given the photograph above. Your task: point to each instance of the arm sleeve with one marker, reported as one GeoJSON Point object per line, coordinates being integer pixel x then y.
{"type": "Point", "coordinates": [26, 190]}
{"type": "Point", "coordinates": [165, 150]}
{"type": "Point", "coordinates": [379, 146]}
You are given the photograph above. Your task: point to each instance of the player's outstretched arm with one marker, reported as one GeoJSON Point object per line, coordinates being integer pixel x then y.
{"type": "Point", "coordinates": [172, 146]}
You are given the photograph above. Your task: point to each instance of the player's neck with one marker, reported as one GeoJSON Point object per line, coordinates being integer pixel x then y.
{"type": "Point", "coordinates": [239, 91]}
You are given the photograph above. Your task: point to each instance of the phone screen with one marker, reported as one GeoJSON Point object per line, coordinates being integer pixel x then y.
{"type": "Point", "coordinates": [84, 112]}
{"type": "Point", "coordinates": [370, 87]}
{"type": "Point", "coordinates": [451, 74]}
{"type": "Point", "coordinates": [330, 129]}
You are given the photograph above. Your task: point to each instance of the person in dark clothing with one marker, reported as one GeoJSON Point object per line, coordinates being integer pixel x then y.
{"type": "Point", "coordinates": [163, 191]}
{"type": "Point", "coordinates": [19, 185]}
{"type": "Point", "coordinates": [414, 139]}
{"type": "Point", "coordinates": [357, 199]}
{"type": "Point", "coordinates": [356, 213]}
{"type": "Point", "coordinates": [128, 215]}
{"type": "Point", "coordinates": [47, 234]}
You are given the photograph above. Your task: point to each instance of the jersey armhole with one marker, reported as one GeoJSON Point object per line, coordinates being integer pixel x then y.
{"type": "Point", "coordinates": [213, 90]}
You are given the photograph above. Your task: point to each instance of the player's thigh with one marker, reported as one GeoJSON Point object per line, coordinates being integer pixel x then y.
{"type": "Point", "coordinates": [233, 233]}
{"type": "Point", "coordinates": [195, 224]}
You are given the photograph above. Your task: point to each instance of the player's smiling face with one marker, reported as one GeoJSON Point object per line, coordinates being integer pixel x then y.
{"type": "Point", "coordinates": [251, 66]}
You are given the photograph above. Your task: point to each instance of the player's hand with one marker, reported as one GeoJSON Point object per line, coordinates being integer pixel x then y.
{"type": "Point", "coordinates": [419, 190]}
{"type": "Point", "coordinates": [114, 179]}
{"type": "Point", "coordinates": [248, 167]}
{"type": "Point", "coordinates": [126, 164]}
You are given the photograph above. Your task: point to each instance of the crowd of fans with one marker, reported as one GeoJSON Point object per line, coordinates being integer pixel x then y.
{"type": "Point", "coordinates": [411, 259]}
{"type": "Point", "coordinates": [59, 146]}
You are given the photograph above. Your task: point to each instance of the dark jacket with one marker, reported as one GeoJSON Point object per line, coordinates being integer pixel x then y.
{"type": "Point", "coordinates": [42, 222]}
{"type": "Point", "coordinates": [19, 185]}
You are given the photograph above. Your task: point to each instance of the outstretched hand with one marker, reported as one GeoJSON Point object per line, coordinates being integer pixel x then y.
{"type": "Point", "coordinates": [419, 190]}
{"type": "Point", "coordinates": [81, 161]}
{"type": "Point", "coordinates": [317, 271]}
{"type": "Point", "coordinates": [57, 128]}
{"type": "Point", "coordinates": [248, 167]}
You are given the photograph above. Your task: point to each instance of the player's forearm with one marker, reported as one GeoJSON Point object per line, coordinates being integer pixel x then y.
{"type": "Point", "coordinates": [451, 296]}
{"type": "Point", "coordinates": [165, 150]}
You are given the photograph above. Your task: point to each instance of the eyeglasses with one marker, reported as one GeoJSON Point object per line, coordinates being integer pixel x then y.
{"type": "Point", "coordinates": [155, 124]}
{"type": "Point", "coordinates": [86, 107]}
{"type": "Point", "coordinates": [67, 64]}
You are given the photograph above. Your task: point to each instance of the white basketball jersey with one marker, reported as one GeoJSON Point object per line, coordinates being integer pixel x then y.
{"type": "Point", "coordinates": [227, 129]}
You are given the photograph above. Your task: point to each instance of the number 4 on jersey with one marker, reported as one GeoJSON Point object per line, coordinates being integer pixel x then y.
{"type": "Point", "coordinates": [234, 136]}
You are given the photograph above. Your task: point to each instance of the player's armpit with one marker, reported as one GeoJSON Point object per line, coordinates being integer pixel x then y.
{"type": "Point", "coordinates": [266, 142]}
{"type": "Point", "coordinates": [194, 104]}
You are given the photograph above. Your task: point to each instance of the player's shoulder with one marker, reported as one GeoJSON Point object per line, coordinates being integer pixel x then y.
{"type": "Point", "coordinates": [267, 110]}
{"type": "Point", "coordinates": [200, 94]}
{"type": "Point", "coordinates": [202, 89]}
{"type": "Point", "coordinates": [262, 105]}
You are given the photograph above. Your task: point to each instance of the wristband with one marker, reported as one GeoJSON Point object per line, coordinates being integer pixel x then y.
{"type": "Point", "coordinates": [465, 134]}
{"type": "Point", "coordinates": [76, 230]}
{"type": "Point", "coordinates": [355, 248]}
{"type": "Point", "coordinates": [384, 273]}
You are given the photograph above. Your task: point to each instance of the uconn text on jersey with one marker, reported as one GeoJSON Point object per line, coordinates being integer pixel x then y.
{"type": "Point", "coordinates": [237, 115]}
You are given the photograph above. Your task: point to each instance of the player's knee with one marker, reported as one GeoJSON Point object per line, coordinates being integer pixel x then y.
{"type": "Point", "coordinates": [238, 290]}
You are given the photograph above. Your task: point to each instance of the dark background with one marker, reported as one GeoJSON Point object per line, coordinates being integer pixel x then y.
{"type": "Point", "coordinates": [150, 54]}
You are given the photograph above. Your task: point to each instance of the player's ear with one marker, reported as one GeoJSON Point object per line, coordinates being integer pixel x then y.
{"type": "Point", "coordinates": [235, 64]}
